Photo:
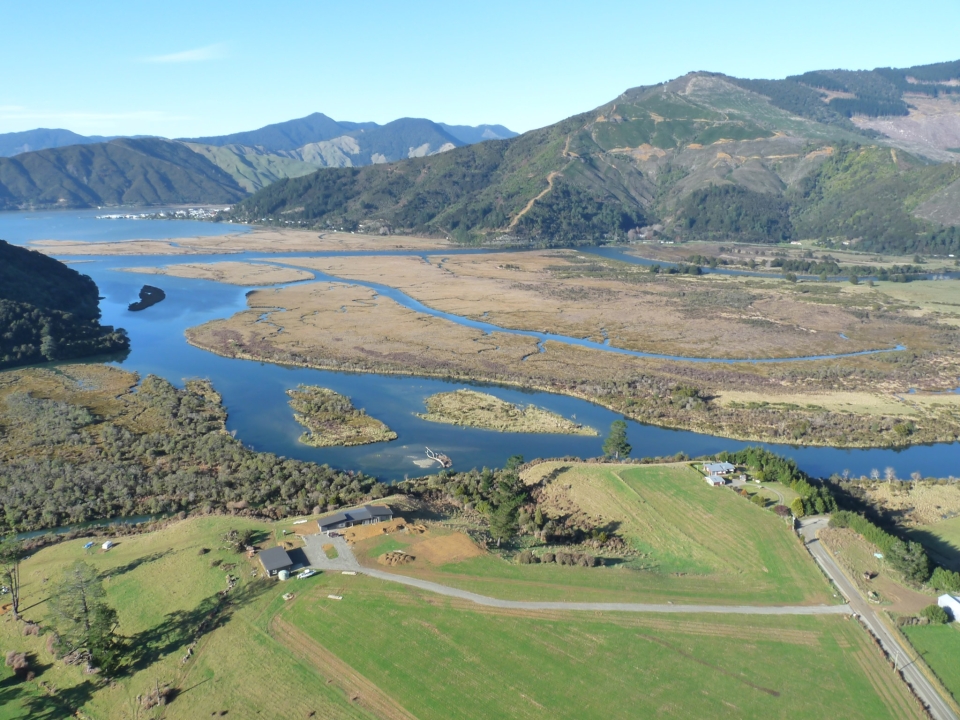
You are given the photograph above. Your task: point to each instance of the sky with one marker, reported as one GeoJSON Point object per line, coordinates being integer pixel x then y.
{"type": "Point", "coordinates": [204, 67]}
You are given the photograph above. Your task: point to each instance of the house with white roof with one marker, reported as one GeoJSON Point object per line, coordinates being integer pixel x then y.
{"type": "Point", "coordinates": [721, 468]}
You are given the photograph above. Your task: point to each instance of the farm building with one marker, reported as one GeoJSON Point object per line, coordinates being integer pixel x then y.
{"type": "Point", "coordinates": [951, 604]}
{"type": "Point", "coordinates": [366, 515]}
{"type": "Point", "coordinates": [274, 560]}
{"type": "Point", "coordinates": [722, 468]}
{"type": "Point", "coordinates": [715, 480]}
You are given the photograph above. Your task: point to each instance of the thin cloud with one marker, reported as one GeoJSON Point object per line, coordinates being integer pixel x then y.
{"type": "Point", "coordinates": [210, 52]}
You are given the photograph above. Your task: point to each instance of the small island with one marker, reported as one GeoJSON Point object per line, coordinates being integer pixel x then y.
{"type": "Point", "coordinates": [149, 296]}
{"type": "Point", "coordinates": [480, 410]}
{"type": "Point", "coordinates": [332, 421]}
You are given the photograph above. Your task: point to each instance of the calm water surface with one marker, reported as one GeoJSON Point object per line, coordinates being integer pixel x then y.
{"type": "Point", "coordinates": [254, 396]}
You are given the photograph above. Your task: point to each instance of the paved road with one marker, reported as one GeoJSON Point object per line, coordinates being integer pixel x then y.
{"type": "Point", "coordinates": [938, 708]}
{"type": "Point", "coordinates": [347, 561]}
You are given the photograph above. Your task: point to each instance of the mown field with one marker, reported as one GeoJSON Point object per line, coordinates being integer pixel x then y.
{"type": "Point", "coordinates": [441, 658]}
{"type": "Point", "coordinates": [391, 652]}
{"type": "Point", "coordinates": [696, 544]}
{"type": "Point", "coordinates": [940, 647]}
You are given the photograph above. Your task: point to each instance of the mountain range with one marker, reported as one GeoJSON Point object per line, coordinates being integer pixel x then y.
{"type": "Point", "coordinates": [862, 158]}
{"type": "Point", "coordinates": [867, 158]}
{"type": "Point", "coordinates": [251, 159]}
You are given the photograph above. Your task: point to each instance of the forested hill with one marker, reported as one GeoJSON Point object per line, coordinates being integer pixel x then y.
{"type": "Point", "coordinates": [146, 171]}
{"type": "Point", "coordinates": [49, 311]}
{"type": "Point", "coordinates": [702, 156]}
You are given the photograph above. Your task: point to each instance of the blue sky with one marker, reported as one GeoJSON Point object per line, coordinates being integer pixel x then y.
{"type": "Point", "coordinates": [204, 67]}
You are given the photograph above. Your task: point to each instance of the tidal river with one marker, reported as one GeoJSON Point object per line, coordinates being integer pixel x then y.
{"type": "Point", "coordinates": [254, 392]}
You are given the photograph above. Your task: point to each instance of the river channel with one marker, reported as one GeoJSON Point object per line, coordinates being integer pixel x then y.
{"type": "Point", "coordinates": [254, 392]}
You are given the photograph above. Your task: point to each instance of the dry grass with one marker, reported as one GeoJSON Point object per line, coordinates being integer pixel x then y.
{"type": "Point", "coordinates": [443, 549]}
{"type": "Point", "coordinates": [566, 294]}
{"type": "Point", "coordinates": [482, 410]}
{"type": "Point", "coordinates": [916, 503]}
{"type": "Point", "coordinates": [232, 273]}
{"type": "Point", "coordinates": [257, 240]}
{"type": "Point", "coordinates": [857, 556]}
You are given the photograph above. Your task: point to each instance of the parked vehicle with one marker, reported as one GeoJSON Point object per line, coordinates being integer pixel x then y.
{"type": "Point", "coordinates": [309, 572]}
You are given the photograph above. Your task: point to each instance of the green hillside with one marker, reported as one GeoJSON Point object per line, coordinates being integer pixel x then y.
{"type": "Point", "coordinates": [121, 172]}
{"type": "Point", "coordinates": [252, 169]}
{"type": "Point", "coordinates": [49, 311]}
{"type": "Point", "coordinates": [704, 155]}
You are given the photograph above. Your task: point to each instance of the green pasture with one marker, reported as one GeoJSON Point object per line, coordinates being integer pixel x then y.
{"type": "Point", "coordinates": [697, 544]}
{"type": "Point", "coordinates": [440, 658]}
{"type": "Point", "coordinates": [940, 647]}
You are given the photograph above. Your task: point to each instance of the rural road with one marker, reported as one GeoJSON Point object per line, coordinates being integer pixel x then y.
{"type": "Point", "coordinates": [347, 561]}
{"type": "Point", "coordinates": [938, 707]}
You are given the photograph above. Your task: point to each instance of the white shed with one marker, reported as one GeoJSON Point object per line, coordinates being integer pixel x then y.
{"type": "Point", "coordinates": [716, 480]}
{"type": "Point", "coordinates": [107, 545]}
{"type": "Point", "coordinates": [951, 604]}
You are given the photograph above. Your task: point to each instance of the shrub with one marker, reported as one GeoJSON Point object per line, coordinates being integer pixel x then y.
{"type": "Point", "coordinates": [548, 557]}
{"type": "Point", "coordinates": [527, 558]}
{"type": "Point", "coordinates": [935, 614]}
{"type": "Point", "coordinates": [18, 661]}
{"type": "Point", "coordinates": [758, 500]}
{"type": "Point", "coordinates": [945, 580]}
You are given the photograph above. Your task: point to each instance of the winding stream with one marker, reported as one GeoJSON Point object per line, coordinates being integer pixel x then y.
{"type": "Point", "coordinates": [254, 392]}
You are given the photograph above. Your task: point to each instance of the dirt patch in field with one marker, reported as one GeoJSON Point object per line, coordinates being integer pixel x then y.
{"type": "Point", "coordinates": [363, 532]}
{"type": "Point", "coordinates": [444, 549]}
{"type": "Point", "coordinates": [395, 558]}
{"type": "Point", "coordinates": [857, 557]}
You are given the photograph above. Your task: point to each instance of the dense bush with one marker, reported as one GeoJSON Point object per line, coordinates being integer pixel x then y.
{"type": "Point", "coordinates": [49, 311]}
{"type": "Point", "coordinates": [730, 211]}
{"type": "Point", "coordinates": [813, 500]}
{"type": "Point", "coordinates": [80, 471]}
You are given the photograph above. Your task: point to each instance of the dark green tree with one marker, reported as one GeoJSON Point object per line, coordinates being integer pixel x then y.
{"type": "Point", "coordinates": [83, 619]}
{"type": "Point", "coordinates": [616, 445]}
{"type": "Point", "coordinates": [504, 520]}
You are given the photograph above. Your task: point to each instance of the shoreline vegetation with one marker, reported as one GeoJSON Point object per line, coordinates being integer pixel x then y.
{"type": "Point", "coordinates": [481, 410]}
{"type": "Point", "coordinates": [845, 403]}
{"type": "Point", "coordinates": [86, 442]}
{"type": "Point", "coordinates": [332, 420]}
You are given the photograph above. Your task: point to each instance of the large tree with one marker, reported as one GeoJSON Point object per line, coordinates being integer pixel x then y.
{"type": "Point", "coordinates": [11, 553]}
{"type": "Point", "coordinates": [82, 617]}
{"type": "Point", "coordinates": [616, 445]}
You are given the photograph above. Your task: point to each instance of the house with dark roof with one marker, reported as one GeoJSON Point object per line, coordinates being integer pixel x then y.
{"type": "Point", "coordinates": [274, 560]}
{"type": "Point", "coordinates": [366, 515]}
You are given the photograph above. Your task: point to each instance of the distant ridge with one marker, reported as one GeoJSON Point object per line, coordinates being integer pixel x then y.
{"type": "Point", "coordinates": [16, 143]}
{"type": "Point", "coordinates": [125, 171]}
